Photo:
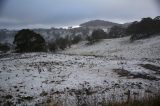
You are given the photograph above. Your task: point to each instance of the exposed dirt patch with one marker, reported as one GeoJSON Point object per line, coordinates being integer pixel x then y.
{"type": "Point", "coordinates": [126, 73]}
{"type": "Point", "coordinates": [122, 72]}
{"type": "Point", "coordinates": [151, 67]}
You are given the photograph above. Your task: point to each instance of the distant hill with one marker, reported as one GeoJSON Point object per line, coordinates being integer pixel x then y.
{"type": "Point", "coordinates": [96, 23]}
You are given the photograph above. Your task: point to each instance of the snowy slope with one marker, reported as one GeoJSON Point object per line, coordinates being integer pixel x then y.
{"type": "Point", "coordinates": [120, 47]}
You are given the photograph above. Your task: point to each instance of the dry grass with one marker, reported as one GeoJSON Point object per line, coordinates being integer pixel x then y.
{"type": "Point", "coordinates": [150, 101]}
{"type": "Point", "coordinates": [147, 101]}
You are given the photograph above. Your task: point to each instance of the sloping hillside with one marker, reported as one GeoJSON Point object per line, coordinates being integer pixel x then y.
{"type": "Point", "coordinates": [120, 47]}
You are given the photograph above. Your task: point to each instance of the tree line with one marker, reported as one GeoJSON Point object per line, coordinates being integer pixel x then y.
{"type": "Point", "coordinates": [28, 41]}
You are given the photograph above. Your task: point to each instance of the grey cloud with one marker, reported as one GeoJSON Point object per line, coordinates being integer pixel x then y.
{"type": "Point", "coordinates": [158, 4]}
{"type": "Point", "coordinates": [69, 12]}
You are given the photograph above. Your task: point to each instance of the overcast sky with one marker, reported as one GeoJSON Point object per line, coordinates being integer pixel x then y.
{"type": "Point", "coordinates": [56, 13]}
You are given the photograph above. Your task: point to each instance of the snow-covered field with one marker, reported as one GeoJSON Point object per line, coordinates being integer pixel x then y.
{"type": "Point", "coordinates": [118, 70]}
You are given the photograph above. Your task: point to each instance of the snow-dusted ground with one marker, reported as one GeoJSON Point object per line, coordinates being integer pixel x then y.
{"type": "Point", "coordinates": [121, 47]}
{"type": "Point", "coordinates": [32, 78]}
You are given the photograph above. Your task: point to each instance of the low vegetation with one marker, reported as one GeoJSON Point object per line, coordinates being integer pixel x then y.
{"type": "Point", "coordinates": [76, 39]}
{"type": "Point", "coordinates": [117, 32]}
{"type": "Point", "coordinates": [4, 47]}
{"type": "Point", "coordinates": [63, 43]}
{"type": "Point", "coordinates": [52, 46]}
{"type": "Point", "coordinates": [96, 36]}
{"type": "Point", "coordinates": [82, 101]}
{"type": "Point", "coordinates": [147, 101]}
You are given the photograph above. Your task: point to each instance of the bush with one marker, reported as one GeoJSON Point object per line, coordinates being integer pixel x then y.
{"type": "Point", "coordinates": [144, 29]}
{"type": "Point", "coordinates": [4, 47]}
{"type": "Point", "coordinates": [52, 46]}
{"type": "Point", "coordinates": [76, 39]}
{"type": "Point", "coordinates": [63, 43]}
{"type": "Point", "coordinates": [28, 41]}
{"type": "Point", "coordinates": [96, 36]}
{"type": "Point", "coordinates": [117, 31]}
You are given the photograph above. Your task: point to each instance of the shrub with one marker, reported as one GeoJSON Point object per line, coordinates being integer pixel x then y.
{"type": "Point", "coordinates": [97, 35]}
{"type": "Point", "coordinates": [117, 31]}
{"type": "Point", "coordinates": [4, 47]}
{"type": "Point", "coordinates": [76, 39]}
{"type": "Point", "coordinates": [29, 41]}
{"type": "Point", "coordinates": [62, 43]}
{"type": "Point", "coordinates": [52, 46]}
{"type": "Point", "coordinates": [144, 29]}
